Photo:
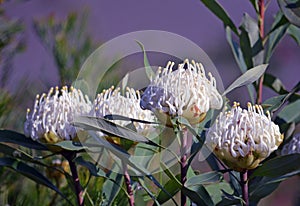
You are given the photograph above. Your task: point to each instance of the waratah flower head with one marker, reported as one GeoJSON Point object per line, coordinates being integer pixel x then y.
{"type": "Point", "coordinates": [243, 138]}
{"type": "Point", "coordinates": [292, 147]}
{"type": "Point", "coordinates": [111, 102]}
{"type": "Point", "coordinates": [184, 92]}
{"type": "Point", "coordinates": [51, 119]}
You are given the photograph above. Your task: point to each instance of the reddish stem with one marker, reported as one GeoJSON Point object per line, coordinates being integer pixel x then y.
{"type": "Point", "coordinates": [261, 19]}
{"type": "Point", "coordinates": [128, 185]}
{"type": "Point", "coordinates": [244, 185]}
{"type": "Point", "coordinates": [183, 163]}
{"type": "Point", "coordinates": [78, 189]}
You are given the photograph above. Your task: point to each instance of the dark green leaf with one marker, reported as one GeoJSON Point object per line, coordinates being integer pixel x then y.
{"type": "Point", "coordinates": [247, 78]}
{"type": "Point", "coordinates": [238, 55]}
{"type": "Point", "coordinates": [235, 182]}
{"type": "Point", "coordinates": [290, 113]}
{"type": "Point", "coordinates": [205, 178]}
{"type": "Point", "coordinates": [279, 166]}
{"type": "Point", "coordinates": [291, 10]}
{"type": "Point", "coordinates": [9, 136]}
{"type": "Point", "coordinates": [29, 172]}
{"type": "Point", "coordinates": [198, 194]}
{"type": "Point", "coordinates": [94, 170]}
{"type": "Point", "coordinates": [111, 188]}
{"type": "Point", "coordinates": [276, 34]}
{"type": "Point", "coordinates": [172, 187]}
{"type": "Point", "coordinates": [273, 103]}
{"type": "Point", "coordinates": [260, 187]}
{"type": "Point", "coordinates": [255, 5]}
{"type": "Point", "coordinates": [123, 118]}
{"type": "Point", "coordinates": [7, 150]}
{"type": "Point", "coordinates": [143, 185]}
{"type": "Point", "coordinates": [274, 83]}
{"type": "Point", "coordinates": [216, 191]}
{"type": "Point", "coordinates": [110, 128]}
{"type": "Point", "coordinates": [229, 199]}
{"type": "Point", "coordinates": [251, 42]}
{"type": "Point", "coordinates": [218, 10]}
{"type": "Point", "coordinates": [280, 20]}
{"type": "Point", "coordinates": [69, 145]}
{"type": "Point", "coordinates": [236, 50]}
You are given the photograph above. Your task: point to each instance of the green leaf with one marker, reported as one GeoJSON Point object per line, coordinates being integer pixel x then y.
{"type": "Point", "coordinates": [280, 20]}
{"type": "Point", "coordinates": [290, 113]}
{"type": "Point", "coordinates": [279, 166]}
{"type": "Point", "coordinates": [238, 55]}
{"type": "Point", "coordinates": [198, 194]}
{"type": "Point", "coordinates": [273, 103]}
{"type": "Point", "coordinates": [262, 187]}
{"type": "Point", "coordinates": [274, 83]}
{"type": "Point", "coordinates": [205, 178]}
{"type": "Point", "coordinates": [110, 128]}
{"type": "Point", "coordinates": [9, 136]}
{"type": "Point", "coordinates": [149, 71]}
{"type": "Point", "coordinates": [29, 172]}
{"type": "Point", "coordinates": [172, 187]}
{"type": "Point", "coordinates": [7, 150]}
{"type": "Point", "coordinates": [143, 185]}
{"type": "Point", "coordinates": [94, 170]}
{"type": "Point", "coordinates": [218, 10]}
{"type": "Point", "coordinates": [291, 10]}
{"type": "Point", "coordinates": [236, 50]}
{"type": "Point", "coordinates": [276, 34]}
{"type": "Point", "coordinates": [255, 5]}
{"type": "Point", "coordinates": [294, 32]}
{"type": "Point", "coordinates": [229, 199]}
{"type": "Point", "coordinates": [69, 145]}
{"type": "Point", "coordinates": [248, 77]}
{"type": "Point", "coordinates": [111, 188]}
{"type": "Point", "coordinates": [216, 191]}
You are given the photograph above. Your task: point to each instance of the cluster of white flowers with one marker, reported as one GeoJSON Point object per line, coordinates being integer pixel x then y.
{"type": "Point", "coordinates": [52, 114]}
{"type": "Point", "coordinates": [292, 147]}
{"type": "Point", "coordinates": [111, 102]}
{"type": "Point", "coordinates": [243, 138]}
{"type": "Point", "coordinates": [184, 92]}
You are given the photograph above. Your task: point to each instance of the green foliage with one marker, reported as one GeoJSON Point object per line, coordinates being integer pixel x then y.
{"type": "Point", "coordinates": [68, 43]}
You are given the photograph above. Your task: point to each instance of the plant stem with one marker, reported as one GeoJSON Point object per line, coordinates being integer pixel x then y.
{"type": "Point", "coordinates": [183, 163]}
{"type": "Point", "coordinates": [261, 20]}
{"type": "Point", "coordinates": [128, 185]}
{"type": "Point", "coordinates": [244, 185]}
{"type": "Point", "coordinates": [78, 189]}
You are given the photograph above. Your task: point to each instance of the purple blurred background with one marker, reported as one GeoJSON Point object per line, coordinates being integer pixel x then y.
{"type": "Point", "coordinates": [108, 19]}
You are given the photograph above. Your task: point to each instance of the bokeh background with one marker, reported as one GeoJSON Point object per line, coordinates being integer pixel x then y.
{"type": "Point", "coordinates": [48, 42]}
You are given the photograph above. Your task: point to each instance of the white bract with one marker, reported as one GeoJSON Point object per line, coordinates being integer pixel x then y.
{"type": "Point", "coordinates": [52, 114]}
{"type": "Point", "coordinates": [243, 138]}
{"type": "Point", "coordinates": [184, 92]}
{"type": "Point", "coordinates": [111, 102]}
{"type": "Point", "coordinates": [292, 147]}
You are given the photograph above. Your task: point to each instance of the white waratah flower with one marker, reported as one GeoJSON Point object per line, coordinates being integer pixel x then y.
{"type": "Point", "coordinates": [52, 114]}
{"type": "Point", "coordinates": [243, 138]}
{"type": "Point", "coordinates": [111, 102]}
{"type": "Point", "coordinates": [292, 147]}
{"type": "Point", "coordinates": [183, 92]}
